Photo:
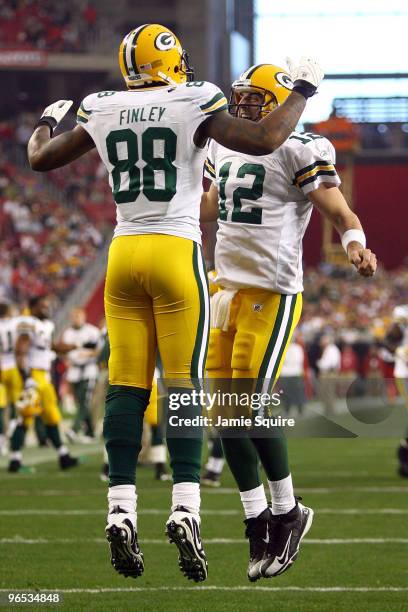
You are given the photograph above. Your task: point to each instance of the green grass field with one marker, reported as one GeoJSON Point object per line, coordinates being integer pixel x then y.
{"type": "Point", "coordinates": [355, 556]}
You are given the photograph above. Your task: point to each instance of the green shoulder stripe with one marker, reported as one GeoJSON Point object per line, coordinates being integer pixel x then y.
{"type": "Point", "coordinates": [220, 108]}
{"type": "Point", "coordinates": [210, 168]}
{"type": "Point", "coordinates": [81, 106]}
{"type": "Point", "coordinates": [213, 100]}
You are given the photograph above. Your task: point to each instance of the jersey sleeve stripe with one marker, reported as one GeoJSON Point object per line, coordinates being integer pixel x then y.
{"type": "Point", "coordinates": [210, 103]}
{"type": "Point", "coordinates": [81, 116]}
{"type": "Point", "coordinates": [218, 106]}
{"type": "Point", "coordinates": [210, 168]}
{"type": "Point", "coordinates": [316, 175]}
{"type": "Point", "coordinates": [306, 169]}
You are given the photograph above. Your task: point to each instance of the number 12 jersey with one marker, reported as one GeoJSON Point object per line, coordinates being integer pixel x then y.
{"type": "Point", "coordinates": [265, 210]}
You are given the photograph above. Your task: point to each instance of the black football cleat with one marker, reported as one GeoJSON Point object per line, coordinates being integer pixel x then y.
{"type": "Point", "coordinates": [211, 479]}
{"type": "Point", "coordinates": [126, 556]}
{"type": "Point", "coordinates": [161, 472]}
{"type": "Point", "coordinates": [16, 467]}
{"type": "Point", "coordinates": [183, 529]}
{"type": "Point", "coordinates": [257, 533]}
{"type": "Point", "coordinates": [286, 532]}
{"type": "Point", "coordinates": [104, 473]}
{"type": "Point", "coordinates": [402, 454]}
{"type": "Point", "coordinates": [67, 462]}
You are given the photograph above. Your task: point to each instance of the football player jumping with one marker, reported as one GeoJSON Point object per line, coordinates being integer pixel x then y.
{"type": "Point", "coordinates": [264, 206]}
{"type": "Point", "coordinates": [152, 139]}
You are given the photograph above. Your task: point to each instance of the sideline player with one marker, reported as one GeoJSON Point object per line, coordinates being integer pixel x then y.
{"type": "Point", "coordinates": [400, 330]}
{"type": "Point", "coordinates": [152, 139]}
{"type": "Point", "coordinates": [264, 206]}
{"type": "Point", "coordinates": [9, 375]}
{"type": "Point", "coordinates": [82, 372]}
{"type": "Point", "coordinates": [34, 350]}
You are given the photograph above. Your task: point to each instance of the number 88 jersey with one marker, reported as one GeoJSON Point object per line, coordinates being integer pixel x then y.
{"type": "Point", "coordinates": [145, 139]}
{"type": "Point", "coordinates": [265, 210]}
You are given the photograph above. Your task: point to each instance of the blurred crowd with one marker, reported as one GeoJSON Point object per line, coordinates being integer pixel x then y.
{"type": "Point", "coordinates": [46, 25]}
{"type": "Point", "coordinates": [48, 233]}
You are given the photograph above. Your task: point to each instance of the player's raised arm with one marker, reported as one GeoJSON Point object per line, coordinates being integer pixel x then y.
{"type": "Point", "coordinates": [47, 153]}
{"type": "Point", "coordinates": [268, 134]}
{"type": "Point", "coordinates": [331, 203]}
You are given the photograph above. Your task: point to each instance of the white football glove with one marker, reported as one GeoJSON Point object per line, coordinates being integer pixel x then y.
{"type": "Point", "coordinates": [306, 76]}
{"type": "Point", "coordinates": [54, 113]}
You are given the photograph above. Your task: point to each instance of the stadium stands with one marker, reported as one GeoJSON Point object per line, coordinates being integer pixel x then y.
{"type": "Point", "coordinates": [45, 25]}
{"type": "Point", "coordinates": [50, 228]}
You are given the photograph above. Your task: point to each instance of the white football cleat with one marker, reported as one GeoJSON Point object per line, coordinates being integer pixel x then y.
{"type": "Point", "coordinates": [183, 528]}
{"type": "Point", "coordinates": [126, 556]}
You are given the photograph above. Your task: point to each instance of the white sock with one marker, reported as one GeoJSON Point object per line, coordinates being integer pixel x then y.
{"type": "Point", "coordinates": [16, 455]}
{"type": "Point", "coordinates": [215, 464]}
{"type": "Point", "coordinates": [158, 454]}
{"type": "Point", "coordinates": [254, 501]}
{"type": "Point", "coordinates": [186, 494]}
{"type": "Point", "coordinates": [283, 499]}
{"type": "Point", "coordinates": [125, 497]}
{"type": "Point", "coordinates": [63, 451]}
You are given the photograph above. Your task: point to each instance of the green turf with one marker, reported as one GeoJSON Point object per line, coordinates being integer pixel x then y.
{"type": "Point", "coordinates": [341, 478]}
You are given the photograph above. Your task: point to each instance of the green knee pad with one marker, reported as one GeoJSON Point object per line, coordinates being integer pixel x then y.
{"type": "Point", "coordinates": [122, 431]}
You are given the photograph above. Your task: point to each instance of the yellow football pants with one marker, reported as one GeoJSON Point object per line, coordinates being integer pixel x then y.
{"type": "Point", "coordinates": [260, 328]}
{"type": "Point", "coordinates": [12, 384]}
{"type": "Point", "coordinates": [50, 412]}
{"type": "Point", "coordinates": [3, 396]}
{"type": "Point", "coordinates": [156, 296]}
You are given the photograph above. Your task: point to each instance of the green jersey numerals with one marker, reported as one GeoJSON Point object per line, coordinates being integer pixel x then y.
{"type": "Point", "coordinates": [305, 137]}
{"type": "Point", "coordinates": [242, 193]}
{"type": "Point", "coordinates": [128, 165]}
{"type": "Point", "coordinates": [6, 342]}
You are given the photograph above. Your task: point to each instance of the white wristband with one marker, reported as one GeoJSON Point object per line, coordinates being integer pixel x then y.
{"type": "Point", "coordinates": [353, 235]}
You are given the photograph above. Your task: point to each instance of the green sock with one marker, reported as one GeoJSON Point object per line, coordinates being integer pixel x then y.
{"type": "Point", "coordinates": [157, 435]}
{"type": "Point", "coordinates": [40, 430]}
{"type": "Point", "coordinates": [17, 439]}
{"type": "Point", "coordinates": [122, 431]}
{"type": "Point", "coordinates": [242, 459]}
{"type": "Point", "coordinates": [184, 443]}
{"type": "Point", "coordinates": [216, 450]}
{"type": "Point", "coordinates": [53, 434]}
{"type": "Point", "coordinates": [273, 453]}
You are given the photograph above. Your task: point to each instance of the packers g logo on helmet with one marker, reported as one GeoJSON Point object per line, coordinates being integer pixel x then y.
{"type": "Point", "coordinates": [165, 41]}
{"type": "Point", "coordinates": [272, 81]}
{"type": "Point", "coordinates": [152, 55]}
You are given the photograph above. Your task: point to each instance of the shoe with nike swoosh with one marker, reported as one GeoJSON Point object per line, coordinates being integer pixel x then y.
{"type": "Point", "coordinates": [257, 533]}
{"type": "Point", "coordinates": [183, 529]}
{"type": "Point", "coordinates": [286, 532]}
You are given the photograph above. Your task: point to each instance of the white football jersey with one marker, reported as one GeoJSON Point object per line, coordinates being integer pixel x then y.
{"type": "Point", "coordinates": [40, 355]}
{"type": "Point", "coordinates": [82, 365]}
{"type": "Point", "coordinates": [401, 356]}
{"type": "Point", "coordinates": [265, 210]}
{"type": "Point", "coordinates": [145, 140]}
{"type": "Point", "coordinates": [7, 343]}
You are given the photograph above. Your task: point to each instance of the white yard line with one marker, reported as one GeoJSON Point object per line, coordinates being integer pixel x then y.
{"type": "Point", "coordinates": [327, 589]}
{"type": "Point", "coordinates": [204, 512]}
{"type": "Point", "coordinates": [18, 539]}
